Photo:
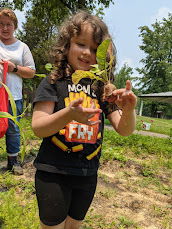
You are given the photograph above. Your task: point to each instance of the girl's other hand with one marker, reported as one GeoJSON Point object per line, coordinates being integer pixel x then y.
{"type": "Point", "coordinates": [124, 98]}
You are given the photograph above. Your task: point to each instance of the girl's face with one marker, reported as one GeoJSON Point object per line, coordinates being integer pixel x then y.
{"type": "Point", "coordinates": [82, 51]}
{"type": "Point", "coordinates": [7, 28]}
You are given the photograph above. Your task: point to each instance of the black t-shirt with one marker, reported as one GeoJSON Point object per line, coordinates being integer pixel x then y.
{"type": "Point", "coordinates": [75, 149]}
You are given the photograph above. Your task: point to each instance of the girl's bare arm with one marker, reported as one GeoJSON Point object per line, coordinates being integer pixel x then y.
{"type": "Point", "coordinates": [46, 123]}
{"type": "Point", "coordinates": [125, 123]}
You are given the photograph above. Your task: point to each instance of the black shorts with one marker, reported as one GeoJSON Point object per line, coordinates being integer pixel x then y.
{"type": "Point", "coordinates": [61, 195]}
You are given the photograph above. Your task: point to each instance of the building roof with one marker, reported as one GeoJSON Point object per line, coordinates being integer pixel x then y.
{"type": "Point", "coordinates": [163, 97]}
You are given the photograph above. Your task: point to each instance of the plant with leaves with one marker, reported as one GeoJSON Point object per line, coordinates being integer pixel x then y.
{"type": "Point", "coordinates": [101, 71]}
{"type": "Point", "coordinates": [49, 67]}
{"type": "Point", "coordinates": [14, 118]}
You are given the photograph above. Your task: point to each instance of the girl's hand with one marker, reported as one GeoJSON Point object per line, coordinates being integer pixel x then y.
{"type": "Point", "coordinates": [124, 98]}
{"type": "Point", "coordinates": [81, 114]}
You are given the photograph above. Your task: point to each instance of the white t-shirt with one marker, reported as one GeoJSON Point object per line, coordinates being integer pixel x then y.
{"type": "Point", "coordinates": [20, 54]}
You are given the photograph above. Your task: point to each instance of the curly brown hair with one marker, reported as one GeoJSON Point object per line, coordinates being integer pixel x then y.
{"type": "Point", "coordinates": [9, 13]}
{"type": "Point", "coordinates": [70, 28]}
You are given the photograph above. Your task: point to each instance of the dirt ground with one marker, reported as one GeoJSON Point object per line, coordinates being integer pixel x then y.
{"type": "Point", "coordinates": [120, 193]}
{"type": "Point", "coordinates": [144, 205]}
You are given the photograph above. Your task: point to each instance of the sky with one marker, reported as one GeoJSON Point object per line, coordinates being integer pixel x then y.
{"type": "Point", "coordinates": [123, 19]}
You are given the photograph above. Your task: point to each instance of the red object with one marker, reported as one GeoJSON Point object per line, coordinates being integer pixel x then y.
{"type": "Point", "coordinates": [4, 103]}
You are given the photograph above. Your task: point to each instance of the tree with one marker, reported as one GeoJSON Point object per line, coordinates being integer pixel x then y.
{"type": "Point", "coordinates": [71, 5]}
{"type": "Point", "coordinates": [123, 75]}
{"type": "Point", "coordinates": [157, 64]}
{"type": "Point", "coordinates": [156, 73]}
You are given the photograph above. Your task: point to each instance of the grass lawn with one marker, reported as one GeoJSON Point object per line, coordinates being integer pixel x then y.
{"type": "Point", "coordinates": [162, 126]}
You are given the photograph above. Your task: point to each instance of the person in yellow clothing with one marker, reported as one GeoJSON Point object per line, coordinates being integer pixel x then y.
{"type": "Point", "coordinates": [70, 119]}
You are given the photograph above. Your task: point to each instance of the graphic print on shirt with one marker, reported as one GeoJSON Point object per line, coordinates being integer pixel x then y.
{"type": "Point", "coordinates": [78, 132]}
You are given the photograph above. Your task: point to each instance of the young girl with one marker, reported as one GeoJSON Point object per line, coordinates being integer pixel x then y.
{"type": "Point", "coordinates": [70, 119]}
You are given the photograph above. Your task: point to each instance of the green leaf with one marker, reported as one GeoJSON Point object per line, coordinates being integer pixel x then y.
{"type": "Point", "coordinates": [12, 102]}
{"type": "Point", "coordinates": [95, 68]}
{"type": "Point", "coordinates": [102, 54]}
{"type": "Point", "coordinates": [80, 74]}
{"type": "Point", "coordinates": [41, 75]}
{"type": "Point", "coordinates": [6, 115]}
{"type": "Point", "coordinates": [49, 67]}
{"type": "Point", "coordinates": [102, 74]}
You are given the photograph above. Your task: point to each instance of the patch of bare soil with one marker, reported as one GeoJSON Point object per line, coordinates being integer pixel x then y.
{"type": "Point", "coordinates": [121, 192]}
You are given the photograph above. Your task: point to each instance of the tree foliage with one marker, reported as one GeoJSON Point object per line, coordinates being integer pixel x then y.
{"type": "Point", "coordinates": [71, 5]}
{"type": "Point", "coordinates": [124, 74]}
{"type": "Point", "coordinates": [157, 64]}
{"type": "Point", "coordinates": [43, 18]}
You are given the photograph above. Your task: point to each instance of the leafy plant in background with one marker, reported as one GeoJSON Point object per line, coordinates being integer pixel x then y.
{"type": "Point", "coordinates": [14, 118]}
{"type": "Point", "coordinates": [48, 67]}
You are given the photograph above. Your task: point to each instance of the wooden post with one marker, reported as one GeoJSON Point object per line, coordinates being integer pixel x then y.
{"type": "Point", "coordinates": [141, 108]}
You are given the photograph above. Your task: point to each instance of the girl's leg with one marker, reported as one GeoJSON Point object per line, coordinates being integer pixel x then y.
{"type": "Point", "coordinates": [59, 226]}
{"type": "Point", "coordinates": [72, 223]}
{"type": "Point", "coordinates": [69, 223]}
{"type": "Point", "coordinates": [53, 197]}
{"type": "Point", "coordinates": [63, 201]}
{"type": "Point", "coordinates": [83, 189]}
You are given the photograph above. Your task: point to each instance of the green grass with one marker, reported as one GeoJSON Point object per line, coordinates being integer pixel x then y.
{"type": "Point", "coordinates": [152, 155]}
{"type": "Point", "coordinates": [162, 126]}
{"type": "Point", "coordinates": [18, 203]}
{"type": "Point", "coordinates": [118, 146]}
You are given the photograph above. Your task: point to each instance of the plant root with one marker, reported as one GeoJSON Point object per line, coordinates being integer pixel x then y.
{"type": "Point", "coordinates": [108, 90]}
